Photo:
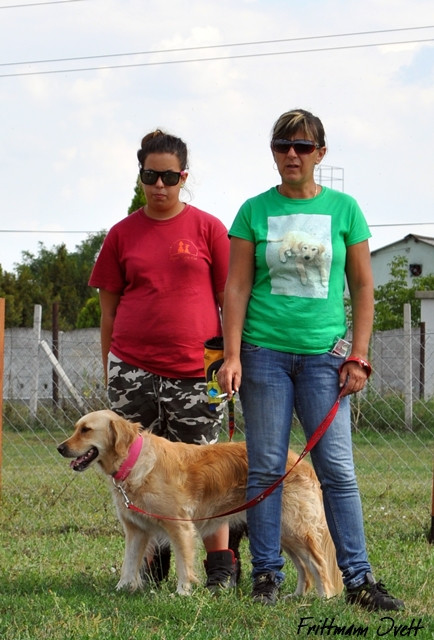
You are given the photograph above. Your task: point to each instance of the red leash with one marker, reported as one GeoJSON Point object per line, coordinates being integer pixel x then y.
{"type": "Point", "coordinates": [315, 437]}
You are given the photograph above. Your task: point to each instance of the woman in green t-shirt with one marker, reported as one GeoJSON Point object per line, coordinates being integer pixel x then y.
{"type": "Point", "coordinates": [284, 328]}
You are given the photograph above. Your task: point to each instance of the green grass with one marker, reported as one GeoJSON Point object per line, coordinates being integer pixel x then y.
{"type": "Point", "coordinates": [62, 547]}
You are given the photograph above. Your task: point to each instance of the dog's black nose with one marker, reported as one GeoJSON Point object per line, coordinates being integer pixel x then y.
{"type": "Point", "coordinates": [61, 448]}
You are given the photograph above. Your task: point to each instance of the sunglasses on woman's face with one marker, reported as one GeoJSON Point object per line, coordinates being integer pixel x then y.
{"type": "Point", "coordinates": [169, 178]}
{"type": "Point", "coordinates": [301, 147]}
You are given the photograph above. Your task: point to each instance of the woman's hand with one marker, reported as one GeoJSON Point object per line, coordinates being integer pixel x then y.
{"type": "Point", "coordinates": [229, 376]}
{"type": "Point", "coordinates": [352, 378]}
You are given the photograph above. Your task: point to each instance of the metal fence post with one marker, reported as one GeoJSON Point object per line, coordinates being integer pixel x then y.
{"type": "Point", "coordinates": [408, 368]}
{"type": "Point", "coordinates": [37, 316]}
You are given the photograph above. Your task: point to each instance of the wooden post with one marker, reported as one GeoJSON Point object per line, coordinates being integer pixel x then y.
{"type": "Point", "coordinates": [2, 366]}
{"type": "Point", "coordinates": [431, 534]}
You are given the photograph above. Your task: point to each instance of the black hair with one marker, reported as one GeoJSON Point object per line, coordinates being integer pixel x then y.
{"type": "Point", "coordinates": [159, 142]}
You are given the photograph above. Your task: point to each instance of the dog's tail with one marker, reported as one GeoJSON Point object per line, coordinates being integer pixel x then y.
{"type": "Point", "coordinates": [329, 554]}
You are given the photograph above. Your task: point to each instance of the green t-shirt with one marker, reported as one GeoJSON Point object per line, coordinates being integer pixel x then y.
{"type": "Point", "coordinates": [297, 300]}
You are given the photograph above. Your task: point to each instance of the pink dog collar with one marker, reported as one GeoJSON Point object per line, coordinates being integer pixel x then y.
{"type": "Point", "coordinates": [128, 464]}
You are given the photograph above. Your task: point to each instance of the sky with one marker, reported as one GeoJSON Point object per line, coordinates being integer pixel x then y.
{"type": "Point", "coordinates": [81, 82]}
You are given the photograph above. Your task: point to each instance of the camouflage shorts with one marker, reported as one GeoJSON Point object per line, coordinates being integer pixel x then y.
{"type": "Point", "coordinates": [176, 409]}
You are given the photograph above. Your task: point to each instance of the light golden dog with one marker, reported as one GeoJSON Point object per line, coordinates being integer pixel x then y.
{"type": "Point", "coordinates": [307, 251]}
{"type": "Point", "coordinates": [189, 482]}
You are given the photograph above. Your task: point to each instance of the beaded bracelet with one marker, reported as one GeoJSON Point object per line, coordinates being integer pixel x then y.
{"type": "Point", "coordinates": [360, 361]}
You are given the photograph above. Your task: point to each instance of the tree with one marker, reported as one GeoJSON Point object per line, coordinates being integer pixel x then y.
{"type": "Point", "coordinates": [90, 314]}
{"type": "Point", "coordinates": [55, 275]}
{"type": "Point", "coordinates": [50, 276]}
{"type": "Point", "coordinates": [391, 296]}
{"type": "Point", "coordinates": [139, 198]}
{"type": "Point", "coordinates": [13, 301]}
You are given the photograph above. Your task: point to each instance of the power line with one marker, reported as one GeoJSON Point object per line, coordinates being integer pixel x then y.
{"type": "Point", "coordinates": [42, 232]}
{"type": "Point", "coordinates": [36, 4]}
{"type": "Point", "coordinates": [402, 224]}
{"type": "Point", "coordinates": [214, 46]}
{"type": "Point", "coordinates": [213, 59]}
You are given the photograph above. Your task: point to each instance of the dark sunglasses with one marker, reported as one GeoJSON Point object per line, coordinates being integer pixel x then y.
{"type": "Point", "coordinates": [301, 147]}
{"type": "Point", "coordinates": [169, 178]}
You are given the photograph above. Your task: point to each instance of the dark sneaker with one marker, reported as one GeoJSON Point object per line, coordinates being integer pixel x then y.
{"type": "Point", "coordinates": [221, 570]}
{"type": "Point", "coordinates": [373, 596]}
{"type": "Point", "coordinates": [265, 588]}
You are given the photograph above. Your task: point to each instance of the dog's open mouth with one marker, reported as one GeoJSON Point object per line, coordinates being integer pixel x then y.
{"type": "Point", "coordinates": [82, 462]}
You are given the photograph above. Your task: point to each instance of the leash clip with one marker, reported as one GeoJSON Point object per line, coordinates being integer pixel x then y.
{"type": "Point", "coordinates": [127, 501]}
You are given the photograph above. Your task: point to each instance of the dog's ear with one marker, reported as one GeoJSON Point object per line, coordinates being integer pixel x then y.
{"type": "Point", "coordinates": [124, 433]}
{"type": "Point", "coordinates": [321, 248]}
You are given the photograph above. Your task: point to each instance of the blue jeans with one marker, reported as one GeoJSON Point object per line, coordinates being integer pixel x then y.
{"type": "Point", "coordinates": [273, 385]}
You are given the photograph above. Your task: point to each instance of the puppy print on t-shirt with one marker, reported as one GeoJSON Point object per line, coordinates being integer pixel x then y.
{"type": "Point", "coordinates": [298, 255]}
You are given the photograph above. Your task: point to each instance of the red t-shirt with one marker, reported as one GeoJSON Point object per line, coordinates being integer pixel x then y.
{"type": "Point", "coordinates": [168, 273]}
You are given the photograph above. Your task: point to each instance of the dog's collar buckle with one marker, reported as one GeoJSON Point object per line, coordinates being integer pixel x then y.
{"type": "Point", "coordinates": [121, 490]}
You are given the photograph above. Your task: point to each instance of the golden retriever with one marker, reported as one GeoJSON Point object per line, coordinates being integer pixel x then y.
{"type": "Point", "coordinates": [187, 482]}
{"type": "Point", "coordinates": [307, 251]}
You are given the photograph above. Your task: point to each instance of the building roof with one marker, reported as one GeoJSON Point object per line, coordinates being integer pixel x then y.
{"type": "Point", "coordinates": [408, 238]}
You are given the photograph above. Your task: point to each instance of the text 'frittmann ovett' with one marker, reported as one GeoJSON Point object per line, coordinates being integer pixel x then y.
{"type": "Point", "coordinates": [386, 626]}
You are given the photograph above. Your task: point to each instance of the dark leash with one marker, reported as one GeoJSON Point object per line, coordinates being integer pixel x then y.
{"type": "Point", "coordinates": [315, 437]}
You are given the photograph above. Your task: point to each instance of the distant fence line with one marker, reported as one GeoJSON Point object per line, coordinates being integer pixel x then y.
{"type": "Point", "coordinates": [79, 355]}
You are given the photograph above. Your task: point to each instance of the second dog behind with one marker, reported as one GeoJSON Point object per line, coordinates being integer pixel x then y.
{"type": "Point", "coordinates": [187, 482]}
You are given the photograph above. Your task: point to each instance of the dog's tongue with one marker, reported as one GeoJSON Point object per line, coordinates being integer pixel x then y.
{"type": "Point", "coordinates": [74, 464]}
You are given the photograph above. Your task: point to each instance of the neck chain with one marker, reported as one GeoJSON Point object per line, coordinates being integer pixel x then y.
{"type": "Point", "coordinates": [316, 190]}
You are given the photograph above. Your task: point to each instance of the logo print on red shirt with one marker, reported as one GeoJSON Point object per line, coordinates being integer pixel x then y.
{"type": "Point", "coordinates": [183, 248]}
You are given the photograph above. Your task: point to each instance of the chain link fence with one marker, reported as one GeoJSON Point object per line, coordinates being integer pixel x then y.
{"type": "Point", "coordinates": [393, 422]}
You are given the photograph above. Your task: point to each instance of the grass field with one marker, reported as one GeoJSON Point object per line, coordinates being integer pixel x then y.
{"type": "Point", "coordinates": [62, 547]}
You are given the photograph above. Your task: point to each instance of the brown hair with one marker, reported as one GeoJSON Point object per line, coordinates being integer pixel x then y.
{"type": "Point", "coordinates": [159, 142]}
{"type": "Point", "coordinates": [291, 122]}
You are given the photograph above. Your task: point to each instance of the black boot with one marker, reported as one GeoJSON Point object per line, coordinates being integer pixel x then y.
{"type": "Point", "coordinates": [237, 532]}
{"type": "Point", "coordinates": [158, 569]}
{"type": "Point", "coordinates": [221, 570]}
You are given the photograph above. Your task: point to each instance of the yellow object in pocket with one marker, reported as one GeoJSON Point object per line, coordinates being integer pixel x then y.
{"type": "Point", "coordinates": [213, 360]}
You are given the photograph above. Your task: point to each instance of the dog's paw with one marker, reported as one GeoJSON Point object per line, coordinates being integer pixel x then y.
{"type": "Point", "coordinates": [183, 589]}
{"type": "Point", "coordinates": [129, 585]}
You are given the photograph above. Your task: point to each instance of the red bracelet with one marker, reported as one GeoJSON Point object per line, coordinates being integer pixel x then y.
{"type": "Point", "coordinates": [363, 363]}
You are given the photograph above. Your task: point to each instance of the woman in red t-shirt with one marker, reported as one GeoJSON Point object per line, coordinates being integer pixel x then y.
{"type": "Point", "coordinates": [161, 274]}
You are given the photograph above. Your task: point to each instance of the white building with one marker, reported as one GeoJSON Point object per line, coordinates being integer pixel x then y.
{"type": "Point", "coordinates": [419, 251]}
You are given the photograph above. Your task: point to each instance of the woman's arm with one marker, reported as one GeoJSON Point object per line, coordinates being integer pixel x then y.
{"type": "Point", "coordinates": [220, 299]}
{"type": "Point", "coordinates": [361, 287]}
{"type": "Point", "coordinates": [109, 302]}
{"type": "Point", "coordinates": [237, 293]}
